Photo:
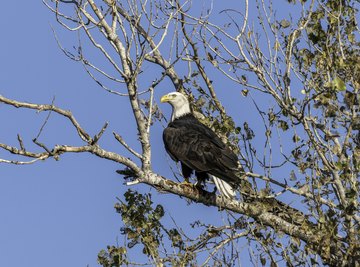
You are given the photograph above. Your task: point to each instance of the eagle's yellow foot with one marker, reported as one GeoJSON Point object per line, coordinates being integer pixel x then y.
{"type": "Point", "coordinates": [187, 183]}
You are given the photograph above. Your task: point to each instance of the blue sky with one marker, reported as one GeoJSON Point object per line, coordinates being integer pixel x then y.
{"type": "Point", "coordinates": [60, 213]}
{"type": "Point", "coordinates": [53, 213]}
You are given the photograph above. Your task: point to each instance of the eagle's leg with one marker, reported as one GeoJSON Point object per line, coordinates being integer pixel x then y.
{"type": "Point", "coordinates": [186, 172]}
{"type": "Point", "coordinates": [201, 179]}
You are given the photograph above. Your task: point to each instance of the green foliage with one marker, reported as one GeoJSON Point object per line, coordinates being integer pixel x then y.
{"type": "Point", "coordinates": [143, 226]}
{"type": "Point", "coordinates": [113, 257]}
{"type": "Point", "coordinates": [335, 61]}
{"type": "Point", "coordinates": [142, 221]}
{"type": "Point", "coordinates": [285, 23]}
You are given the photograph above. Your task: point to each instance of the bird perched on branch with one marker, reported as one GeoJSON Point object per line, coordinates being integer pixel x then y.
{"type": "Point", "coordinates": [198, 148]}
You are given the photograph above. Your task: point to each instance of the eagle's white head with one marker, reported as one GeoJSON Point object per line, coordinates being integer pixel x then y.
{"type": "Point", "coordinates": [179, 103]}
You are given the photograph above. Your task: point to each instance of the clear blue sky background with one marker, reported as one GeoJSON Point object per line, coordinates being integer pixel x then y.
{"type": "Point", "coordinates": [60, 213]}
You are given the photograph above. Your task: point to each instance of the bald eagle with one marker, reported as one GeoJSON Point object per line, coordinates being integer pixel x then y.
{"type": "Point", "coordinates": [198, 148]}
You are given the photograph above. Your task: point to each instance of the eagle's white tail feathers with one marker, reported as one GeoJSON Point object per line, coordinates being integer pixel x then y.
{"type": "Point", "coordinates": [224, 188]}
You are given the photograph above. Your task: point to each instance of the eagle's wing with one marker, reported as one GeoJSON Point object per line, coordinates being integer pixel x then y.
{"type": "Point", "coordinates": [198, 147]}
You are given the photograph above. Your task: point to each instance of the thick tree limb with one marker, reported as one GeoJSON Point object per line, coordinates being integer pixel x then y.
{"type": "Point", "coordinates": [266, 212]}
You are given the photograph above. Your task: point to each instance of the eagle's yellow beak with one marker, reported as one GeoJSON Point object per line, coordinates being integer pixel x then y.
{"type": "Point", "coordinates": [165, 98]}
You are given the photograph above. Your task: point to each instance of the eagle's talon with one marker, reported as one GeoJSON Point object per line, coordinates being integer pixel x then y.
{"type": "Point", "coordinates": [187, 183]}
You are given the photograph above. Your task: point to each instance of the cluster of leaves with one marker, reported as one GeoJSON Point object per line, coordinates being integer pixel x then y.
{"type": "Point", "coordinates": [142, 225]}
{"type": "Point", "coordinates": [113, 257]}
{"type": "Point", "coordinates": [154, 109]}
{"type": "Point", "coordinates": [333, 60]}
{"type": "Point", "coordinates": [141, 221]}
{"type": "Point", "coordinates": [330, 65]}
{"type": "Point", "coordinates": [327, 57]}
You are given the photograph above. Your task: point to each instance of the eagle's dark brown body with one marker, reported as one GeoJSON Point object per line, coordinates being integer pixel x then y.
{"type": "Point", "coordinates": [199, 149]}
